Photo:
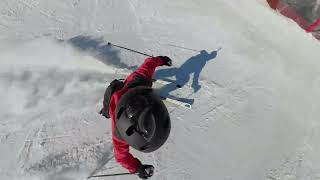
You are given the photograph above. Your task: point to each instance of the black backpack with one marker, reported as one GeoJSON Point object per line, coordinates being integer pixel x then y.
{"type": "Point", "coordinates": [114, 86]}
{"type": "Point", "coordinates": [118, 84]}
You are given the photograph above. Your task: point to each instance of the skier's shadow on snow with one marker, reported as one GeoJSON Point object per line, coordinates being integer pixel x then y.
{"type": "Point", "coordinates": [99, 49]}
{"type": "Point", "coordinates": [193, 65]}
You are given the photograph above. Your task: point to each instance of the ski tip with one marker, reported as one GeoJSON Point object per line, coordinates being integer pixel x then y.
{"type": "Point", "coordinates": [189, 106]}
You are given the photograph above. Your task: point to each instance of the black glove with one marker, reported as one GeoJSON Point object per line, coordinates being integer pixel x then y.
{"type": "Point", "coordinates": [144, 171]}
{"type": "Point", "coordinates": [166, 60]}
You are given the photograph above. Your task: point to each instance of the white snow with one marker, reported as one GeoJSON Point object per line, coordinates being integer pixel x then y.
{"type": "Point", "coordinates": [255, 116]}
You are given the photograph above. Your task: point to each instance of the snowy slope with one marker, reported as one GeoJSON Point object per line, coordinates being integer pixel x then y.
{"type": "Point", "coordinates": [255, 115]}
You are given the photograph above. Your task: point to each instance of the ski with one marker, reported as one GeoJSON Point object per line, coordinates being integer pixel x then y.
{"type": "Point", "coordinates": [166, 82]}
{"type": "Point", "coordinates": [171, 100]}
{"type": "Point", "coordinates": [177, 102]}
{"type": "Point", "coordinates": [160, 81]}
{"type": "Point", "coordinates": [163, 82]}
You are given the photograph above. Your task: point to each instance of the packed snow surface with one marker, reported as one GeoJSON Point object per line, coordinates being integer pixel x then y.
{"type": "Point", "coordinates": [255, 112]}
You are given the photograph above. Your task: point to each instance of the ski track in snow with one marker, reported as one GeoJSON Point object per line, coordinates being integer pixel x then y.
{"type": "Point", "coordinates": [254, 116]}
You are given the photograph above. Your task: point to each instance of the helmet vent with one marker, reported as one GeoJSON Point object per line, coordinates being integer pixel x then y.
{"type": "Point", "coordinates": [130, 130]}
{"type": "Point", "coordinates": [144, 147]}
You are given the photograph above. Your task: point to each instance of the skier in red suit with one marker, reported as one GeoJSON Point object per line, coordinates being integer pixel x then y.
{"type": "Point", "coordinates": [139, 117]}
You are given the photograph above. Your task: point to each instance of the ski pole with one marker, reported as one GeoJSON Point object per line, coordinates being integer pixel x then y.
{"type": "Point", "coordinates": [110, 44]}
{"type": "Point", "coordinates": [106, 175]}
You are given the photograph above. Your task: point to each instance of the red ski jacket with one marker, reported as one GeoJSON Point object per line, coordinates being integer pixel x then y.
{"type": "Point", "coordinates": [120, 147]}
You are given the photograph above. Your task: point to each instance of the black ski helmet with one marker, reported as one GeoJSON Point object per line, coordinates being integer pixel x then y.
{"type": "Point", "coordinates": [142, 119]}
